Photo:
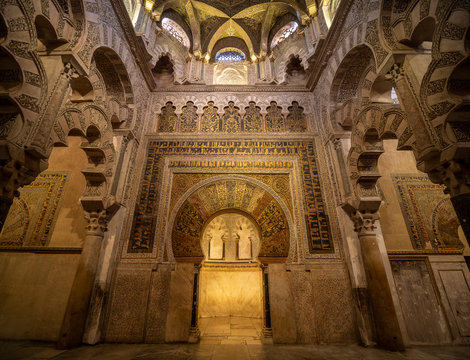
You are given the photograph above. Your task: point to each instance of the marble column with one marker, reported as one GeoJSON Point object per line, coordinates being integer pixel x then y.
{"type": "Point", "coordinates": [267, 329]}
{"type": "Point", "coordinates": [194, 332]}
{"type": "Point", "coordinates": [77, 307]}
{"type": "Point", "coordinates": [387, 326]}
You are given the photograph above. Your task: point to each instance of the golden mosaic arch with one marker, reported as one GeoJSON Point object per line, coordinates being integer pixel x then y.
{"type": "Point", "coordinates": [230, 196]}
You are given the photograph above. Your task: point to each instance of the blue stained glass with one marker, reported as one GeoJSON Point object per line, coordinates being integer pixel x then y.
{"type": "Point", "coordinates": [230, 56]}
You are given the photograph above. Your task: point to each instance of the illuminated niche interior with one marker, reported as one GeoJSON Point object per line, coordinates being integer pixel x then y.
{"type": "Point", "coordinates": [230, 237]}
{"type": "Point", "coordinates": [230, 299]}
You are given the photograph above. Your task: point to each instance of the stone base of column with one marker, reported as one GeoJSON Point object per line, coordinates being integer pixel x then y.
{"type": "Point", "coordinates": [267, 336]}
{"type": "Point", "coordinates": [364, 322]}
{"type": "Point", "coordinates": [462, 205]}
{"type": "Point", "coordinates": [194, 335]}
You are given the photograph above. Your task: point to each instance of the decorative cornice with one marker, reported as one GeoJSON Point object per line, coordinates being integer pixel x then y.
{"type": "Point", "coordinates": [423, 253]}
{"type": "Point", "coordinates": [135, 42]}
{"type": "Point", "coordinates": [325, 48]}
{"type": "Point", "coordinates": [232, 88]}
{"type": "Point", "coordinates": [42, 249]}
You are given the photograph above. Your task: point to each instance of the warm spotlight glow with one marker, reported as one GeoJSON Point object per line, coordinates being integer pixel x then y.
{"type": "Point", "coordinates": [149, 5]}
{"type": "Point", "coordinates": [207, 57]}
{"type": "Point", "coordinates": [254, 58]}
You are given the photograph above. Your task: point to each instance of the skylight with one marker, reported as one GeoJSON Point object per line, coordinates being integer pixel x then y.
{"type": "Point", "coordinates": [176, 31]}
{"type": "Point", "coordinates": [230, 56]}
{"type": "Point", "coordinates": [284, 33]}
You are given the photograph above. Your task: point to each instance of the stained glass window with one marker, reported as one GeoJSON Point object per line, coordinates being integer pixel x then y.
{"type": "Point", "coordinates": [284, 33]}
{"type": "Point", "coordinates": [230, 55]}
{"type": "Point", "coordinates": [176, 31]}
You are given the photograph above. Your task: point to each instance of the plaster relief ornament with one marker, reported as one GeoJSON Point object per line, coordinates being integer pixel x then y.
{"type": "Point", "coordinates": [210, 118]}
{"type": "Point", "coordinates": [274, 118]}
{"type": "Point", "coordinates": [167, 119]}
{"type": "Point", "coordinates": [231, 120]}
{"type": "Point", "coordinates": [252, 121]}
{"type": "Point", "coordinates": [188, 118]}
{"type": "Point", "coordinates": [296, 120]}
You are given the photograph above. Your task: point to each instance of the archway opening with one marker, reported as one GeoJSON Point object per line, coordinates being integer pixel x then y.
{"type": "Point", "coordinates": [230, 306]}
{"type": "Point", "coordinates": [10, 73]}
{"type": "Point", "coordinates": [47, 37]}
{"type": "Point", "coordinates": [295, 72]}
{"type": "Point", "coordinates": [163, 71]}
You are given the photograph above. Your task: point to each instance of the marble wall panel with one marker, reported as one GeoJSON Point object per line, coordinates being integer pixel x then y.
{"type": "Point", "coordinates": [333, 304]}
{"type": "Point", "coordinates": [128, 305]}
{"type": "Point", "coordinates": [283, 320]}
{"type": "Point", "coordinates": [458, 294]}
{"type": "Point", "coordinates": [178, 320]}
{"type": "Point", "coordinates": [303, 294]}
{"type": "Point", "coordinates": [158, 305]}
{"type": "Point", "coordinates": [33, 294]}
{"type": "Point", "coordinates": [424, 319]}
{"type": "Point", "coordinates": [323, 307]}
{"type": "Point", "coordinates": [230, 291]}
{"type": "Point", "coordinates": [452, 279]}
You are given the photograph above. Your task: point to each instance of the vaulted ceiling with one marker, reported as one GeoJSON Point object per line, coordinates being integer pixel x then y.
{"type": "Point", "coordinates": [212, 22]}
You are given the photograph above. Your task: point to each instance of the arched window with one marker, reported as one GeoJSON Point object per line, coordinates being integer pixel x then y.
{"type": "Point", "coordinates": [283, 33]}
{"type": "Point", "coordinates": [176, 31]}
{"type": "Point", "coordinates": [230, 55]}
{"type": "Point", "coordinates": [394, 96]}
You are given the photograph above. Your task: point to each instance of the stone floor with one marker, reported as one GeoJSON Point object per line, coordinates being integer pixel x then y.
{"type": "Point", "coordinates": [230, 330]}
{"type": "Point", "coordinates": [16, 350]}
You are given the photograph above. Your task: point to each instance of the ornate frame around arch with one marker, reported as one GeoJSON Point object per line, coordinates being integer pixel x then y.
{"type": "Point", "coordinates": [292, 232]}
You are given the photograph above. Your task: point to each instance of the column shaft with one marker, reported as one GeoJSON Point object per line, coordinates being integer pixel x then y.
{"type": "Point", "coordinates": [73, 324]}
{"type": "Point", "coordinates": [387, 327]}
{"type": "Point", "coordinates": [194, 332]}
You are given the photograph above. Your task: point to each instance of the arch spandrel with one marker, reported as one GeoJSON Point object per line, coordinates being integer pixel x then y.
{"type": "Point", "coordinates": [221, 196]}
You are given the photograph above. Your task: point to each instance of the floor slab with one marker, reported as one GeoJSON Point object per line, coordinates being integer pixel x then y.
{"type": "Point", "coordinates": [28, 350]}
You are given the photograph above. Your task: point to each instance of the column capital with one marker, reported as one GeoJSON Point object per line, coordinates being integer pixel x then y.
{"type": "Point", "coordinates": [97, 222]}
{"type": "Point", "coordinates": [337, 143]}
{"type": "Point", "coordinates": [396, 73]}
{"type": "Point", "coordinates": [364, 221]}
{"type": "Point", "coordinates": [69, 71]}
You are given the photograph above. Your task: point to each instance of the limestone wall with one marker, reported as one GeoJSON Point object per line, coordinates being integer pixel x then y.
{"type": "Point", "coordinates": [35, 286]}
{"type": "Point", "coordinates": [34, 293]}
{"type": "Point", "coordinates": [414, 206]}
